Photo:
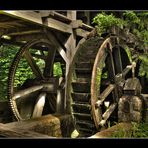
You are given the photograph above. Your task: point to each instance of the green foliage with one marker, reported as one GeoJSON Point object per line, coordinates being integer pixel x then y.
{"type": "Point", "coordinates": [143, 70]}
{"type": "Point", "coordinates": [57, 69]}
{"type": "Point", "coordinates": [136, 23]}
{"type": "Point", "coordinates": [138, 130]}
{"type": "Point", "coordinates": [23, 71]}
{"type": "Point", "coordinates": [104, 21]}
{"type": "Point", "coordinates": [7, 54]}
{"type": "Point", "coordinates": [131, 17]}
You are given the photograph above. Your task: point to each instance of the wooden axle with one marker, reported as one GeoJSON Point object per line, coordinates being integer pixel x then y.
{"type": "Point", "coordinates": [44, 87]}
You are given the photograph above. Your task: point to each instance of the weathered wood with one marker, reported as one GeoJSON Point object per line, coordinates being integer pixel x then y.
{"type": "Point", "coordinates": [51, 125]}
{"type": "Point", "coordinates": [24, 15]}
{"type": "Point", "coordinates": [57, 25]}
{"type": "Point", "coordinates": [27, 91]}
{"type": "Point", "coordinates": [11, 24]}
{"type": "Point", "coordinates": [82, 33]}
{"type": "Point", "coordinates": [87, 14]}
{"type": "Point", "coordinates": [57, 45]}
{"type": "Point", "coordinates": [104, 94]}
{"type": "Point", "coordinates": [60, 97]}
{"type": "Point", "coordinates": [107, 114]}
{"type": "Point", "coordinates": [126, 70]}
{"type": "Point", "coordinates": [49, 62]}
{"type": "Point", "coordinates": [38, 108]}
{"type": "Point", "coordinates": [76, 23]}
{"type": "Point", "coordinates": [66, 19]}
{"type": "Point", "coordinates": [55, 15]}
{"type": "Point", "coordinates": [21, 133]}
{"type": "Point", "coordinates": [28, 37]}
{"type": "Point", "coordinates": [126, 127]}
{"type": "Point", "coordinates": [25, 32]}
{"type": "Point", "coordinates": [36, 70]}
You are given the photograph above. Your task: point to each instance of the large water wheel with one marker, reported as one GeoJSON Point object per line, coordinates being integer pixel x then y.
{"type": "Point", "coordinates": [39, 91]}
{"type": "Point", "coordinates": [95, 82]}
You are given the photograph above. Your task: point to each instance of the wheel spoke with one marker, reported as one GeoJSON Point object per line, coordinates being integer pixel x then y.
{"type": "Point", "coordinates": [26, 91]}
{"type": "Point", "coordinates": [36, 70]}
{"type": "Point", "coordinates": [107, 113]}
{"type": "Point", "coordinates": [49, 63]}
{"type": "Point", "coordinates": [118, 61]}
{"type": "Point", "coordinates": [104, 95]}
{"type": "Point", "coordinates": [111, 67]}
{"type": "Point", "coordinates": [39, 106]}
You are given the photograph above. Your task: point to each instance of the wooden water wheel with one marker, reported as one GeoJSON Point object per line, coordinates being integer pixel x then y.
{"type": "Point", "coordinates": [38, 93]}
{"type": "Point", "coordinates": [95, 81]}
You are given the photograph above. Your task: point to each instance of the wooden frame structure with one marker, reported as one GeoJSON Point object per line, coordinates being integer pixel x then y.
{"type": "Point", "coordinates": [64, 31]}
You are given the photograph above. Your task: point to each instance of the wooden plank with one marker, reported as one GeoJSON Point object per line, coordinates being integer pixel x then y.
{"type": "Point", "coordinates": [55, 15]}
{"type": "Point", "coordinates": [57, 25]}
{"type": "Point", "coordinates": [76, 23]}
{"type": "Point", "coordinates": [71, 14]}
{"type": "Point", "coordinates": [24, 15]}
{"type": "Point", "coordinates": [82, 33]}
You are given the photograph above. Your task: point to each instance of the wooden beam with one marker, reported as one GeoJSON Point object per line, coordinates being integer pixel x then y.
{"type": "Point", "coordinates": [28, 37]}
{"type": "Point", "coordinates": [76, 24]}
{"type": "Point", "coordinates": [57, 45]}
{"type": "Point", "coordinates": [87, 14]}
{"type": "Point", "coordinates": [71, 14]}
{"type": "Point", "coordinates": [81, 32]}
{"type": "Point", "coordinates": [24, 15]}
{"type": "Point", "coordinates": [25, 32]}
{"type": "Point", "coordinates": [55, 15]}
{"type": "Point", "coordinates": [58, 25]}
{"type": "Point", "coordinates": [27, 91]}
{"type": "Point", "coordinates": [87, 27]}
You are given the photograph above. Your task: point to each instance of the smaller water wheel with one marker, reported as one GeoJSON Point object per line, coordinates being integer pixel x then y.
{"type": "Point", "coordinates": [95, 82]}
{"type": "Point", "coordinates": [39, 90]}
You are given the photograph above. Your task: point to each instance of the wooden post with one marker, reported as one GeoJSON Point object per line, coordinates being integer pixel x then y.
{"type": "Point", "coordinates": [87, 14]}
{"type": "Point", "coordinates": [70, 45]}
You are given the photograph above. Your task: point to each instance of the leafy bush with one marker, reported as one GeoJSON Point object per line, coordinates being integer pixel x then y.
{"type": "Point", "coordinates": [104, 21]}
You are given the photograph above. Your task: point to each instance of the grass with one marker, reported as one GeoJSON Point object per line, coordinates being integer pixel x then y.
{"type": "Point", "coordinates": [138, 130]}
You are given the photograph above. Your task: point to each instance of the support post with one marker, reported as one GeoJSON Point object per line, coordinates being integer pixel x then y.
{"type": "Point", "coordinates": [70, 45]}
